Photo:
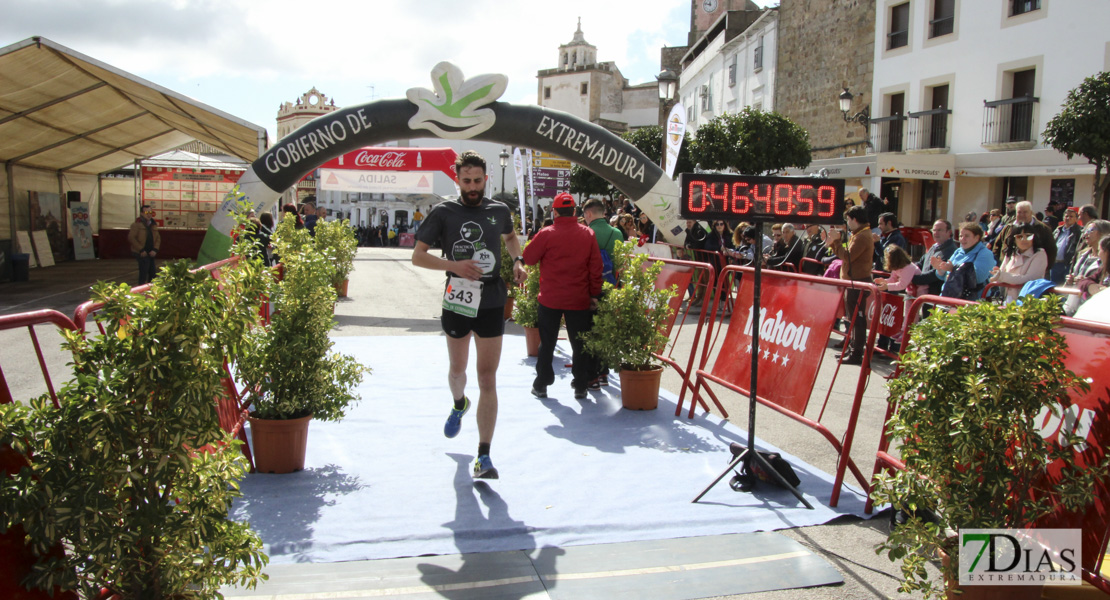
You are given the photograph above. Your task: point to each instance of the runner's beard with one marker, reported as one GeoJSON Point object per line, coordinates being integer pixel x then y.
{"type": "Point", "coordinates": [472, 198]}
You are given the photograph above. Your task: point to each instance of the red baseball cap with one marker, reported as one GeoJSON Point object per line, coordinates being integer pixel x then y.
{"type": "Point", "coordinates": [563, 200]}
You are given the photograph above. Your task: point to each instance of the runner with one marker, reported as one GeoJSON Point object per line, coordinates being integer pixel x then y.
{"type": "Point", "coordinates": [468, 231]}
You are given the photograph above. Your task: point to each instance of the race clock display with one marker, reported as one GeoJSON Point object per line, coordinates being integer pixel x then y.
{"type": "Point", "coordinates": [710, 196]}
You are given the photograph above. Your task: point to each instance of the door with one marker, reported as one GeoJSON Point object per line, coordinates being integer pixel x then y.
{"type": "Point", "coordinates": [938, 128]}
{"type": "Point", "coordinates": [897, 108]}
{"type": "Point", "coordinates": [1021, 113]}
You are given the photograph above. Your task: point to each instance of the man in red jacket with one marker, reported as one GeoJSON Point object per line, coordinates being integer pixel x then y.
{"type": "Point", "coordinates": [570, 282]}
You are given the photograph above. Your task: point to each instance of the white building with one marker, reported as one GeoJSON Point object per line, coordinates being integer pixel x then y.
{"type": "Point", "coordinates": [730, 67]}
{"type": "Point", "coordinates": [963, 90]}
{"type": "Point", "coordinates": [596, 91]}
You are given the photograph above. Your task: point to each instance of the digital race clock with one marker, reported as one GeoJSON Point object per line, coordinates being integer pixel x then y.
{"type": "Point", "coordinates": [711, 196]}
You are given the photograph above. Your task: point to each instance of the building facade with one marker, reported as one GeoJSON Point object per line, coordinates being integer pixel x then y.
{"type": "Point", "coordinates": [596, 91]}
{"type": "Point", "coordinates": [731, 66]}
{"type": "Point", "coordinates": [951, 136]}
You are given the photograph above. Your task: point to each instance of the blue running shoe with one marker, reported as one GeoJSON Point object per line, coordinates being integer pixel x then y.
{"type": "Point", "coordinates": [454, 420]}
{"type": "Point", "coordinates": [483, 468]}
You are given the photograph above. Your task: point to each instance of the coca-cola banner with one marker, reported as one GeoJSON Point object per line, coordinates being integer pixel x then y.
{"type": "Point", "coordinates": [377, 182]}
{"type": "Point", "coordinates": [893, 313]}
{"type": "Point", "coordinates": [457, 108]}
{"type": "Point", "coordinates": [796, 318]}
{"type": "Point", "coordinates": [397, 159]}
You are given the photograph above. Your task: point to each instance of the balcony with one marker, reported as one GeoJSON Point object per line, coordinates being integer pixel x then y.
{"type": "Point", "coordinates": [1008, 124]}
{"type": "Point", "coordinates": [887, 133]}
{"type": "Point", "coordinates": [928, 131]}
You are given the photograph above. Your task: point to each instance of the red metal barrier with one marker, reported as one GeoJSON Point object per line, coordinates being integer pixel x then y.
{"type": "Point", "coordinates": [800, 313]}
{"type": "Point", "coordinates": [18, 560]}
{"type": "Point", "coordinates": [29, 320]}
{"type": "Point", "coordinates": [682, 273]}
{"type": "Point", "coordinates": [1087, 416]}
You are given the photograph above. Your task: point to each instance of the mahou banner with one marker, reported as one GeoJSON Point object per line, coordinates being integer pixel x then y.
{"type": "Point", "coordinates": [796, 319]}
{"type": "Point", "coordinates": [1088, 417]}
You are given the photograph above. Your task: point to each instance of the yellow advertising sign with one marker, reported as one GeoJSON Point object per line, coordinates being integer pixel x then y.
{"type": "Point", "coordinates": [548, 160]}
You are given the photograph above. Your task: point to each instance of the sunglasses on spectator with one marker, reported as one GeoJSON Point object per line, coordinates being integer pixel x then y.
{"type": "Point", "coordinates": [1025, 236]}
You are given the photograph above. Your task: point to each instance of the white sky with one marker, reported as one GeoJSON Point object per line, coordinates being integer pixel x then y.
{"type": "Point", "coordinates": [246, 57]}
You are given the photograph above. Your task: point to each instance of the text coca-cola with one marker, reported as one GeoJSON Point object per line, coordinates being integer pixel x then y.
{"type": "Point", "coordinates": [384, 160]}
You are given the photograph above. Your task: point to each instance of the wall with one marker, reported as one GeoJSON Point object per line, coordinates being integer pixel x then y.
{"type": "Point", "coordinates": [823, 46]}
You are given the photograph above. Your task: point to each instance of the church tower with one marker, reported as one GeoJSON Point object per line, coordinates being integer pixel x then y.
{"type": "Point", "coordinates": [292, 116]}
{"type": "Point", "coordinates": [578, 53]}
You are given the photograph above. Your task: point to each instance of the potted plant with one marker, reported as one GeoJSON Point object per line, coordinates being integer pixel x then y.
{"type": "Point", "coordinates": [971, 384]}
{"type": "Point", "coordinates": [133, 474]}
{"type": "Point", "coordinates": [628, 328]}
{"type": "Point", "coordinates": [288, 369]}
{"type": "Point", "coordinates": [526, 311]}
{"type": "Point", "coordinates": [336, 240]}
{"type": "Point", "coordinates": [511, 289]}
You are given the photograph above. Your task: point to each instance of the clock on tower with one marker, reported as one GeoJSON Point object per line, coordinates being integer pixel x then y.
{"type": "Point", "coordinates": [709, 6]}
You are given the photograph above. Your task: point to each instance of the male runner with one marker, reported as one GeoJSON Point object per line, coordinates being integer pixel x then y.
{"type": "Point", "coordinates": [469, 231]}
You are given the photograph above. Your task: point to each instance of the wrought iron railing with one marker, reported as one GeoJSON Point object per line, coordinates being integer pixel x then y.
{"type": "Point", "coordinates": [887, 133]}
{"type": "Point", "coordinates": [928, 129]}
{"type": "Point", "coordinates": [1008, 121]}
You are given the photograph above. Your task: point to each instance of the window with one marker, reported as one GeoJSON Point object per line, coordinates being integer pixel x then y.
{"type": "Point", "coordinates": [706, 97]}
{"type": "Point", "coordinates": [1020, 7]}
{"type": "Point", "coordinates": [584, 89]}
{"type": "Point", "coordinates": [759, 54]}
{"type": "Point", "coordinates": [547, 92]}
{"type": "Point", "coordinates": [899, 35]}
{"type": "Point", "coordinates": [732, 74]}
{"type": "Point", "coordinates": [944, 17]}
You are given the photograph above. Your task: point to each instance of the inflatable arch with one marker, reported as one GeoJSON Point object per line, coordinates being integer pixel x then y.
{"type": "Point", "coordinates": [457, 108]}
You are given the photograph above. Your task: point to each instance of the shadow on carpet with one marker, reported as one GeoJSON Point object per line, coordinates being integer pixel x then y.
{"type": "Point", "coordinates": [385, 482]}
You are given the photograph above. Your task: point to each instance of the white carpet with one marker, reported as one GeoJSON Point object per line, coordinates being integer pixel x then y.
{"type": "Point", "coordinates": [384, 482]}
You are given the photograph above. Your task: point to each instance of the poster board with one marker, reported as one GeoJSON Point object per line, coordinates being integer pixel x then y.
{"type": "Point", "coordinates": [82, 231]}
{"type": "Point", "coordinates": [42, 248]}
{"type": "Point", "coordinates": [23, 246]}
{"type": "Point", "coordinates": [186, 198]}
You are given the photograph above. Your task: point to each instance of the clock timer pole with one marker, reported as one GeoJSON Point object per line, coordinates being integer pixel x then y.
{"type": "Point", "coordinates": [740, 453]}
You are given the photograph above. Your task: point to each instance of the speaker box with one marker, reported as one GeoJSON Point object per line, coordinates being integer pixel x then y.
{"type": "Point", "coordinates": [72, 196]}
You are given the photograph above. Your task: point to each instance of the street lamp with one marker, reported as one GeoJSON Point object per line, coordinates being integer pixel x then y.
{"type": "Point", "coordinates": [863, 117]}
{"type": "Point", "coordinates": [504, 156]}
{"type": "Point", "coordinates": [668, 82]}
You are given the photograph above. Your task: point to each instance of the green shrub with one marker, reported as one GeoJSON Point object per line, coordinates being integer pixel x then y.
{"type": "Point", "coordinates": [114, 475]}
{"type": "Point", "coordinates": [972, 382]}
{"type": "Point", "coordinates": [288, 367]}
{"type": "Point", "coordinates": [630, 319]}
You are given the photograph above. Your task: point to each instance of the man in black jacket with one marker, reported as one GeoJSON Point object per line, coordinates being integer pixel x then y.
{"type": "Point", "coordinates": [889, 233]}
{"type": "Point", "coordinates": [1067, 241]}
{"type": "Point", "coordinates": [944, 247]}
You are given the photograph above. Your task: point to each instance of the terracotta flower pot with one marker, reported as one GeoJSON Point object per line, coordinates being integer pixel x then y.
{"type": "Point", "coordinates": [279, 444]}
{"type": "Point", "coordinates": [341, 288]}
{"type": "Point", "coordinates": [532, 340]}
{"type": "Point", "coordinates": [508, 308]}
{"type": "Point", "coordinates": [640, 389]}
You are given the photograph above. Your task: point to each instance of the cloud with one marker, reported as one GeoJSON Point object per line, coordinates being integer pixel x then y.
{"type": "Point", "coordinates": [246, 56]}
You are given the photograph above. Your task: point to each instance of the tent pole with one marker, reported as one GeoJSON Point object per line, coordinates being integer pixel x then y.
{"type": "Point", "coordinates": [10, 170]}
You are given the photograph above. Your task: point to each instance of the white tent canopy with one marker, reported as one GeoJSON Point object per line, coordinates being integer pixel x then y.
{"type": "Point", "coordinates": [65, 114]}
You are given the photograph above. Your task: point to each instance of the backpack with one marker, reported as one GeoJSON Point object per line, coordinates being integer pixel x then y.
{"type": "Point", "coordinates": [607, 273]}
{"type": "Point", "coordinates": [963, 282]}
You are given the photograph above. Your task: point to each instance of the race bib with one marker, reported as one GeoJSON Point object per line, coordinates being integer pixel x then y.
{"type": "Point", "coordinates": [463, 296]}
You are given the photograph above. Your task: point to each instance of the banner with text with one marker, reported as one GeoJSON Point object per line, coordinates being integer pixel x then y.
{"type": "Point", "coordinates": [676, 129]}
{"type": "Point", "coordinates": [796, 318]}
{"type": "Point", "coordinates": [1087, 417]}
{"type": "Point", "coordinates": [390, 182]}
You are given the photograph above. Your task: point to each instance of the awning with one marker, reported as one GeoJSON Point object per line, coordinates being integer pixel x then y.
{"type": "Point", "coordinates": [63, 111]}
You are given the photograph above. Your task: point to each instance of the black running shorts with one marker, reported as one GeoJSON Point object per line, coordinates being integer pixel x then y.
{"type": "Point", "coordinates": [489, 323]}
